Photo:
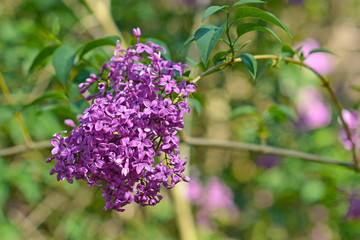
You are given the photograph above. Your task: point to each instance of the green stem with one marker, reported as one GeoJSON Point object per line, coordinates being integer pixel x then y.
{"type": "Point", "coordinates": [231, 45]}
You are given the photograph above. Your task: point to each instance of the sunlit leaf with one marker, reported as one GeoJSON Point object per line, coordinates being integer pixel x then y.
{"type": "Point", "coordinates": [211, 10]}
{"type": "Point", "coordinates": [320, 50]}
{"type": "Point", "coordinates": [63, 60]}
{"type": "Point", "coordinates": [108, 41]}
{"type": "Point", "coordinates": [50, 95]}
{"type": "Point", "coordinates": [251, 63]}
{"type": "Point", "coordinates": [220, 56]}
{"type": "Point", "coordinates": [281, 112]}
{"type": "Point", "coordinates": [242, 2]}
{"type": "Point", "coordinates": [42, 57]}
{"type": "Point", "coordinates": [206, 38]}
{"type": "Point", "coordinates": [188, 41]}
{"type": "Point", "coordinates": [243, 28]}
{"type": "Point", "coordinates": [287, 51]}
{"type": "Point", "coordinates": [251, 12]}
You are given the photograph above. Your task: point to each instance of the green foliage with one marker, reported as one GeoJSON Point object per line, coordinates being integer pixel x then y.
{"type": "Point", "coordinates": [211, 10]}
{"type": "Point", "coordinates": [242, 2]}
{"type": "Point", "coordinates": [251, 64]}
{"type": "Point", "coordinates": [320, 50]}
{"type": "Point", "coordinates": [42, 57]}
{"type": "Point", "coordinates": [282, 112]}
{"type": "Point", "coordinates": [206, 37]}
{"type": "Point", "coordinates": [63, 60]}
{"type": "Point", "coordinates": [108, 41]}
{"type": "Point", "coordinates": [251, 12]}
{"type": "Point", "coordinates": [243, 28]}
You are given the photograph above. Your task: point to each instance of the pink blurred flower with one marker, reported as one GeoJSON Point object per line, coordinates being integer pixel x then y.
{"type": "Point", "coordinates": [323, 63]}
{"type": "Point", "coordinates": [351, 119]}
{"type": "Point", "coordinates": [311, 108]}
{"type": "Point", "coordinates": [215, 196]}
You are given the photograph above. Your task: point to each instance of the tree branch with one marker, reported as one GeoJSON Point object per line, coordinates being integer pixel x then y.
{"type": "Point", "coordinates": [322, 79]}
{"type": "Point", "coordinates": [203, 142]}
{"type": "Point", "coordinates": [23, 148]}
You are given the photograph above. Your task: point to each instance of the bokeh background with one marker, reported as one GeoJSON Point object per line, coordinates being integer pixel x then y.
{"type": "Point", "coordinates": [233, 194]}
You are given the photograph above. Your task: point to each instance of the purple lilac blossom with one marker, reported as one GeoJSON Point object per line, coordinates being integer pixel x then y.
{"type": "Point", "coordinates": [323, 63]}
{"type": "Point", "coordinates": [311, 108]}
{"type": "Point", "coordinates": [267, 160]}
{"type": "Point", "coordinates": [354, 207]}
{"type": "Point", "coordinates": [126, 140]}
{"type": "Point", "coordinates": [351, 119]}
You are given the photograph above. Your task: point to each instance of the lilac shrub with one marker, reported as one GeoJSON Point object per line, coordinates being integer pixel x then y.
{"type": "Point", "coordinates": [126, 140]}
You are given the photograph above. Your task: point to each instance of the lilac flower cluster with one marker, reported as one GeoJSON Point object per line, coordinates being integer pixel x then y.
{"type": "Point", "coordinates": [126, 140]}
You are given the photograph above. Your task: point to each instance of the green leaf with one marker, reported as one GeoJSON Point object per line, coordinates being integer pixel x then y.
{"type": "Point", "coordinates": [251, 12]}
{"type": "Point", "coordinates": [50, 95]}
{"type": "Point", "coordinates": [109, 41]}
{"type": "Point", "coordinates": [241, 2]}
{"type": "Point", "coordinates": [211, 10]}
{"type": "Point", "coordinates": [243, 110]}
{"type": "Point", "coordinates": [287, 51]}
{"type": "Point", "coordinates": [192, 62]}
{"type": "Point", "coordinates": [162, 44]}
{"type": "Point", "coordinates": [206, 38]}
{"type": "Point", "coordinates": [320, 50]}
{"type": "Point", "coordinates": [196, 105]}
{"type": "Point", "coordinates": [243, 28]}
{"type": "Point", "coordinates": [63, 60]}
{"type": "Point", "coordinates": [188, 41]}
{"type": "Point", "coordinates": [220, 56]}
{"type": "Point", "coordinates": [281, 112]}
{"type": "Point", "coordinates": [55, 27]}
{"type": "Point", "coordinates": [42, 57]}
{"type": "Point", "coordinates": [250, 62]}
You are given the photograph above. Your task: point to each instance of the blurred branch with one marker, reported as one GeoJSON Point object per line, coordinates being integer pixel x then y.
{"type": "Point", "coordinates": [23, 148]}
{"type": "Point", "coordinates": [323, 80]}
{"type": "Point", "coordinates": [194, 141]}
{"type": "Point", "coordinates": [102, 11]}
{"type": "Point", "coordinates": [18, 115]}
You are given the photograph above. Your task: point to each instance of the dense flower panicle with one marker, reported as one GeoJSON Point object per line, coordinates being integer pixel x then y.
{"type": "Point", "coordinates": [126, 140]}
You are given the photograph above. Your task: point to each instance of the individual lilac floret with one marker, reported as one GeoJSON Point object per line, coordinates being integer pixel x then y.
{"type": "Point", "coordinates": [126, 140]}
{"type": "Point", "coordinates": [351, 119]}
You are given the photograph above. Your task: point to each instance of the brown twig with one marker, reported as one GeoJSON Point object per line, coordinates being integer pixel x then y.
{"type": "Point", "coordinates": [23, 148]}
{"type": "Point", "coordinates": [322, 79]}
{"type": "Point", "coordinates": [195, 141]}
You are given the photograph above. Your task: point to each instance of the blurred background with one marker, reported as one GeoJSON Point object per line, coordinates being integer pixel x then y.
{"type": "Point", "coordinates": [233, 194]}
